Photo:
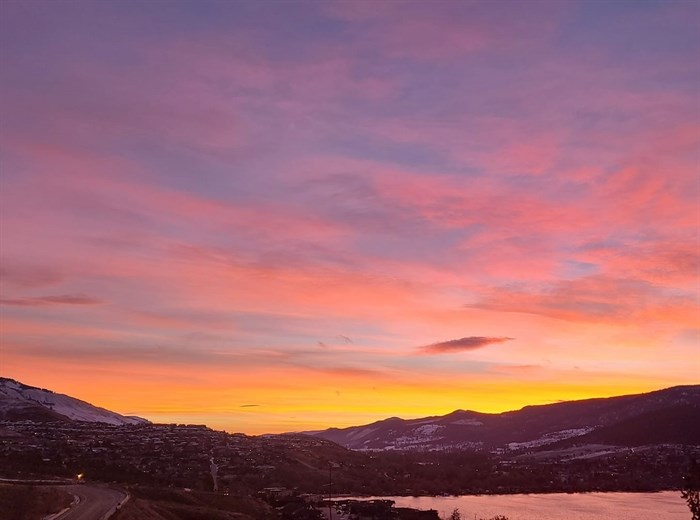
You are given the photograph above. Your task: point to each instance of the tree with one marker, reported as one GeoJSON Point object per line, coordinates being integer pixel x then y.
{"type": "Point", "coordinates": [691, 490]}
{"type": "Point", "coordinates": [455, 515]}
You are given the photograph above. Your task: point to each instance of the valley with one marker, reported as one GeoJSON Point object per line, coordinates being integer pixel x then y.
{"type": "Point", "coordinates": [547, 449]}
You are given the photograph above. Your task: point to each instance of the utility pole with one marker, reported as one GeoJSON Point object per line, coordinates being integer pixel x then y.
{"type": "Point", "coordinates": [330, 491]}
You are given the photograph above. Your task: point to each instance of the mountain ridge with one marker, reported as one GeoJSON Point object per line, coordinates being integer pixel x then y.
{"type": "Point", "coordinates": [535, 425]}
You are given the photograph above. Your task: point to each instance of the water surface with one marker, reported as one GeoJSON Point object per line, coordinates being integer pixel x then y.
{"type": "Point", "coordinates": [667, 505]}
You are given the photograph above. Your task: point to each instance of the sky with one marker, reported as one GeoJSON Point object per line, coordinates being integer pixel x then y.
{"type": "Point", "coordinates": [270, 216]}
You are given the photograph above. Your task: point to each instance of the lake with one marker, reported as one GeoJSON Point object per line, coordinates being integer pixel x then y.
{"type": "Point", "coordinates": [667, 505]}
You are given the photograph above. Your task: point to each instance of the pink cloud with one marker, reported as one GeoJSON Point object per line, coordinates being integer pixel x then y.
{"type": "Point", "coordinates": [670, 263]}
{"type": "Point", "coordinates": [236, 197]}
{"type": "Point", "coordinates": [595, 299]}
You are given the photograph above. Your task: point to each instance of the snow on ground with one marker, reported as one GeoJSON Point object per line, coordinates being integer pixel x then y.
{"type": "Point", "coordinates": [427, 430]}
{"type": "Point", "coordinates": [551, 438]}
{"type": "Point", "coordinates": [360, 434]}
{"type": "Point", "coordinates": [468, 422]}
{"type": "Point", "coordinates": [74, 409]}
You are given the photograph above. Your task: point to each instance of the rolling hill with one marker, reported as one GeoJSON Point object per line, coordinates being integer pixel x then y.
{"type": "Point", "coordinates": [20, 402]}
{"type": "Point", "coordinates": [671, 415]}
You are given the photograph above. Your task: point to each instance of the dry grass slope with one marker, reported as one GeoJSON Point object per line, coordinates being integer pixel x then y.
{"type": "Point", "coordinates": [169, 504]}
{"type": "Point", "coordinates": [31, 502]}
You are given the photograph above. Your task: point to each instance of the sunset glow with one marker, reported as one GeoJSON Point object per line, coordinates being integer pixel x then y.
{"type": "Point", "coordinates": [286, 216]}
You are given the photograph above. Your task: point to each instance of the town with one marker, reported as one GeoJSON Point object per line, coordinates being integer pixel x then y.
{"type": "Point", "coordinates": [199, 458]}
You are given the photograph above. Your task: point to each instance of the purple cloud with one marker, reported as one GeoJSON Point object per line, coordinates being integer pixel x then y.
{"type": "Point", "coordinates": [462, 344]}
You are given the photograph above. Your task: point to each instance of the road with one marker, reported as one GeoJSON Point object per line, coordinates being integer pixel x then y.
{"type": "Point", "coordinates": [94, 502]}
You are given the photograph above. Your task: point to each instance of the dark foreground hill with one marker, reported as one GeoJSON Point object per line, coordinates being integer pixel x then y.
{"type": "Point", "coordinates": [670, 416]}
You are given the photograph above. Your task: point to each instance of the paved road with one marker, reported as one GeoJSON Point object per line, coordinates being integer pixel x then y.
{"type": "Point", "coordinates": [94, 502]}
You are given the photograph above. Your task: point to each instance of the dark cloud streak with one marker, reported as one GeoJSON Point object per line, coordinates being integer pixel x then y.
{"type": "Point", "coordinates": [462, 344]}
{"type": "Point", "coordinates": [62, 299]}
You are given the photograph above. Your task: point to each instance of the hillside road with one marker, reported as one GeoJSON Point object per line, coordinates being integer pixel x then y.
{"type": "Point", "coordinates": [94, 502]}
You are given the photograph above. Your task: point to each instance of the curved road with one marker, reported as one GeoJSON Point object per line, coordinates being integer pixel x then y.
{"type": "Point", "coordinates": [94, 502]}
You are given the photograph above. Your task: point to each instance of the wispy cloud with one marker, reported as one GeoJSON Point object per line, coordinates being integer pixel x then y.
{"type": "Point", "coordinates": [26, 276]}
{"type": "Point", "coordinates": [62, 299]}
{"type": "Point", "coordinates": [310, 189]}
{"type": "Point", "coordinates": [462, 344]}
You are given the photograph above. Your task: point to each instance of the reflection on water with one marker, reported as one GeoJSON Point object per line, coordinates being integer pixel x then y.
{"type": "Point", "coordinates": [667, 505]}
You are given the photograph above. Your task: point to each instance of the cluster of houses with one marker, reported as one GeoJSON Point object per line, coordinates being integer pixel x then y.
{"type": "Point", "coordinates": [188, 456]}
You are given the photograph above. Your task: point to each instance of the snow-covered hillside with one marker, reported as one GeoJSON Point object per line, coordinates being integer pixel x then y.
{"type": "Point", "coordinates": [17, 396]}
{"type": "Point", "coordinates": [654, 417]}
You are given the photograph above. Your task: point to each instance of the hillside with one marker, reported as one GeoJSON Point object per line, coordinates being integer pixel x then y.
{"type": "Point", "coordinates": [636, 443]}
{"type": "Point", "coordinates": [664, 416]}
{"type": "Point", "coordinates": [20, 402]}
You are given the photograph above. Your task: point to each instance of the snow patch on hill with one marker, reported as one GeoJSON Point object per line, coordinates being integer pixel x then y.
{"type": "Point", "coordinates": [74, 409]}
{"type": "Point", "coordinates": [467, 422]}
{"type": "Point", "coordinates": [361, 434]}
{"type": "Point", "coordinates": [427, 430]}
{"type": "Point", "coordinates": [550, 438]}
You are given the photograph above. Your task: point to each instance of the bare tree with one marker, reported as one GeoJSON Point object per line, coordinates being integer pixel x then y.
{"type": "Point", "coordinates": [691, 490]}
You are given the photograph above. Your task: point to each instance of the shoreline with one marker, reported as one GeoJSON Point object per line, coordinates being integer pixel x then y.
{"type": "Point", "coordinates": [534, 493]}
